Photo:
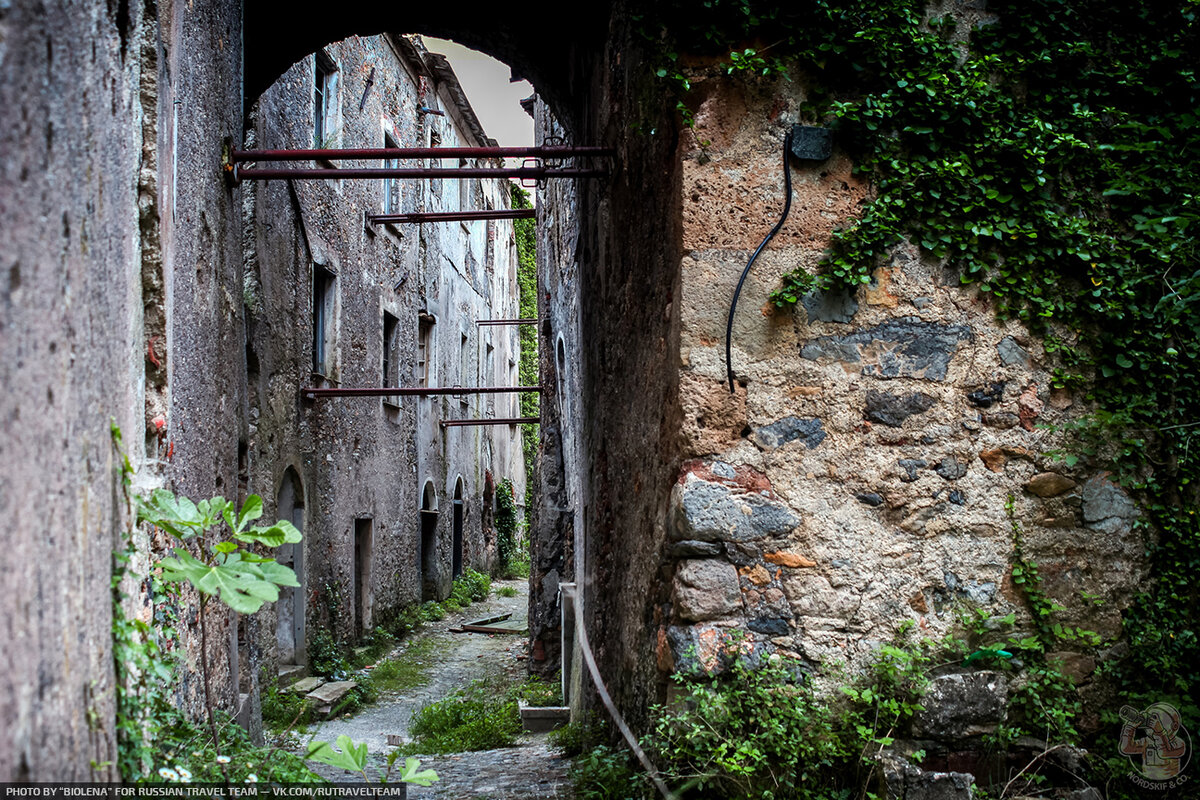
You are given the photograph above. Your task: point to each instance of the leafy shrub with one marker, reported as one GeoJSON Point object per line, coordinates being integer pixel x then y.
{"type": "Point", "coordinates": [186, 753]}
{"type": "Point", "coordinates": [606, 773]}
{"type": "Point", "coordinates": [470, 587]}
{"type": "Point", "coordinates": [285, 710]}
{"type": "Point", "coordinates": [506, 523]}
{"type": "Point", "coordinates": [475, 718]}
{"type": "Point", "coordinates": [752, 732]}
{"type": "Point", "coordinates": [537, 691]}
{"type": "Point", "coordinates": [325, 656]}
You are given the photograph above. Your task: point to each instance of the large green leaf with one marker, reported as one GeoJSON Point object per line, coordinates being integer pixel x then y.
{"type": "Point", "coordinates": [352, 758]}
{"type": "Point", "coordinates": [252, 509]}
{"type": "Point", "coordinates": [278, 574]}
{"type": "Point", "coordinates": [178, 516]}
{"type": "Point", "coordinates": [282, 532]}
{"type": "Point", "coordinates": [239, 584]}
{"type": "Point", "coordinates": [409, 774]}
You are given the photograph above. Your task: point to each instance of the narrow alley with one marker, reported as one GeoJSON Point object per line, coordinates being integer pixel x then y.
{"type": "Point", "coordinates": [448, 662]}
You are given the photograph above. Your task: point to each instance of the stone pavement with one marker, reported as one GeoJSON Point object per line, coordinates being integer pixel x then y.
{"type": "Point", "coordinates": [532, 769]}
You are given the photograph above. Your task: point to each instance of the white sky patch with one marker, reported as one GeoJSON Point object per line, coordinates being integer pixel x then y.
{"type": "Point", "coordinates": [497, 102]}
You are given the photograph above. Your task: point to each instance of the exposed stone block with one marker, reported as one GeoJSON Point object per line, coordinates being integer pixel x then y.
{"type": "Point", "coordinates": [907, 781]}
{"type": "Point", "coordinates": [709, 512]}
{"type": "Point", "coordinates": [869, 498]}
{"type": "Point", "coordinates": [1012, 354]}
{"type": "Point", "coordinates": [1106, 506]}
{"type": "Point", "coordinates": [706, 589]}
{"type": "Point", "coordinates": [891, 410]}
{"type": "Point", "coordinates": [1049, 484]}
{"type": "Point", "coordinates": [911, 466]}
{"type": "Point", "coordinates": [962, 705]}
{"type": "Point", "coordinates": [809, 431]}
{"type": "Point", "coordinates": [950, 468]}
{"type": "Point", "coordinates": [902, 348]}
{"type": "Point", "coordinates": [987, 396]}
{"type": "Point", "coordinates": [775, 626]}
{"type": "Point", "coordinates": [691, 548]}
{"type": "Point", "coordinates": [834, 306]}
{"type": "Point", "coordinates": [793, 560]}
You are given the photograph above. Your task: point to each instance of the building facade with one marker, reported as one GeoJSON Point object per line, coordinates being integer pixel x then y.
{"type": "Point", "coordinates": [392, 503]}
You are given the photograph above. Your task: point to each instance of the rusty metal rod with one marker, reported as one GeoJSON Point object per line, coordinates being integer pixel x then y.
{"type": "Point", "coordinates": [258, 174]}
{"type": "Point", "coordinates": [462, 423]}
{"type": "Point", "coordinates": [420, 391]}
{"type": "Point", "coordinates": [530, 321]}
{"type": "Point", "coordinates": [452, 216]}
{"type": "Point", "coordinates": [371, 153]}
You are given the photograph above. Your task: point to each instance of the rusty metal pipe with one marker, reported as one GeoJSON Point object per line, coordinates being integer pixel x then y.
{"type": "Point", "coordinates": [462, 423]}
{"type": "Point", "coordinates": [313, 393]}
{"type": "Point", "coordinates": [258, 174]}
{"type": "Point", "coordinates": [453, 216]}
{"type": "Point", "coordinates": [371, 153]}
{"type": "Point", "coordinates": [531, 321]}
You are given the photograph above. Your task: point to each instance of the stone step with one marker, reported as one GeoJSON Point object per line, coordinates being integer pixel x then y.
{"type": "Point", "coordinates": [327, 696]}
{"type": "Point", "coordinates": [539, 719]}
{"type": "Point", "coordinates": [288, 672]}
{"type": "Point", "coordinates": [306, 685]}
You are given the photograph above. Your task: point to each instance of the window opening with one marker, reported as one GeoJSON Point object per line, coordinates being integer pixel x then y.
{"type": "Point", "coordinates": [427, 552]}
{"type": "Point", "coordinates": [391, 186]}
{"type": "Point", "coordinates": [424, 340]}
{"type": "Point", "coordinates": [325, 98]}
{"type": "Point", "coordinates": [363, 596]}
{"type": "Point", "coordinates": [457, 557]}
{"type": "Point", "coordinates": [391, 351]}
{"type": "Point", "coordinates": [322, 320]}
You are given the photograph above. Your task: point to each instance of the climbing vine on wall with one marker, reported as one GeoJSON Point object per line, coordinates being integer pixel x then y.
{"type": "Point", "coordinates": [1049, 152]}
{"type": "Point", "coordinates": [527, 284]}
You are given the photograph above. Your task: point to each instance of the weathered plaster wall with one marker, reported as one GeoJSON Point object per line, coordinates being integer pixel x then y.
{"type": "Point", "coordinates": [859, 474]}
{"type": "Point", "coordinates": [69, 358]}
{"type": "Point", "coordinates": [112, 130]}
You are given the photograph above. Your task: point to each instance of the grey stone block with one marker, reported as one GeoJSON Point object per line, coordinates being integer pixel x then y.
{"type": "Point", "coordinates": [962, 705]}
{"type": "Point", "coordinates": [1106, 506]}
{"type": "Point", "coordinates": [836, 306]}
{"type": "Point", "coordinates": [709, 512]}
{"type": "Point", "coordinates": [706, 589]}
{"type": "Point", "coordinates": [902, 348]}
{"type": "Point", "coordinates": [892, 410]}
{"type": "Point", "coordinates": [809, 431]}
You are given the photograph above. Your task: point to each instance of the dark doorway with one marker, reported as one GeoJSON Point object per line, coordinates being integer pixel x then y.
{"type": "Point", "coordinates": [364, 598]}
{"type": "Point", "coordinates": [289, 625]}
{"type": "Point", "coordinates": [457, 557]}
{"type": "Point", "coordinates": [427, 555]}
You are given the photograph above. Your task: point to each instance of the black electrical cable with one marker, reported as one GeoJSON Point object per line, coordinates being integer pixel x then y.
{"type": "Point", "coordinates": [787, 206]}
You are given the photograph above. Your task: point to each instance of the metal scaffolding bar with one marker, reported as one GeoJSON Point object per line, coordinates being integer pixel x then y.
{"type": "Point", "coordinates": [452, 216]}
{"type": "Point", "coordinates": [462, 423]}
{"type": "Point", "coordinates": [537, 173]}
{"type": "Point", "coordinates": [313, 393]}
{"type": "Point", "coordinates": [529, 321]}
{"type": "Point", "coordinates": [364, 154]}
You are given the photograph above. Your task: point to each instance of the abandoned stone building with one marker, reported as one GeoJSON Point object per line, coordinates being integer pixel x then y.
{"type": "Point", "coordinates": [857, 476]}
{"type": "Point", "coordinates": [391, 499]}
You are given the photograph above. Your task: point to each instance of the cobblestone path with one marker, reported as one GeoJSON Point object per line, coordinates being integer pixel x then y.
{"type": "Point", "coordinates": [532, 769]}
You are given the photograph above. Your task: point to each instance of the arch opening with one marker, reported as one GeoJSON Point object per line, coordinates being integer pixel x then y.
{"type": "Point", "coordinates": [289, 624]}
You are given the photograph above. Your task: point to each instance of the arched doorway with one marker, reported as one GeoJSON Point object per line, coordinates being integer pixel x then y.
{"type": "Point", "coordinates": [427, 557]}
{"type": "Point", "coordinates": [289, 625]}
{"type": "Point", "coordinates": [459, 510]}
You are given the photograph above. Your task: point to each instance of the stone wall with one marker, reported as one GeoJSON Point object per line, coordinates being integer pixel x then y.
{"type": "Point", "coordinates": [858, 475]}
{"type": "Point", "coordinates": [120, 265]}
